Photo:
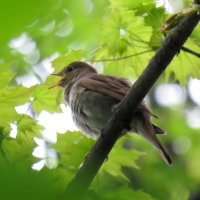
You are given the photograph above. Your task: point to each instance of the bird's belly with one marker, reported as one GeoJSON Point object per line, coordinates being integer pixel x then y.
{"type": "Point", "coordinates": [91, 111]}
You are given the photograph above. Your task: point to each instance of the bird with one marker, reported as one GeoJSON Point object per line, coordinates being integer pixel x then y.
{"type": "Point", "coordinates": [92, 97]}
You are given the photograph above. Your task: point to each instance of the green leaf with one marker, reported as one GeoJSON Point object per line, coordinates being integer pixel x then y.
{"type": "Point", "coordinates": [10, 97]}
{"type": "Point", "coordinates": [7, 115]}
{"type": "Point", "coordinates": [16, 95]}
{"type": "Point", "coordinates": [15, 151]}
{"type": "Point", "coordinates": [72, 145]}
{"type": "Point", "coordinates": [45, 99]}
{"type": "Point", "coordinates": [6, 75]}
{"type": "Point", "coordinates": [155, 18]}
{"type": "Point", "coordinates": [185, 65]}
{"type": "Point", "coordinates": [64, 60]}
{"type": "Point", "coordinates": [28, 128]}
{"type": "Point", "coordinates": [23, 145]}
{"type": "Point", "coordinates": [124, 35]}
{"type": "Point", "coordinates": [119, 157]}
{"type": "Point", "coordinates": [112, 38]}
{"type": "Point", "coordinates": [72, 148]}
{"type": "Point", "coordinates": [196, 36]}
{"type": "Point", "coordinates": [133, 5]}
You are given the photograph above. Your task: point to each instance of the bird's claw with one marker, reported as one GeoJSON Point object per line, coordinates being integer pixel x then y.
{"type": "Point", "coordinates": [178, 52]}
{"type": "Point", "coordinates": [106, 158]}
{"type": "Point", "coordinates": [115, 108]}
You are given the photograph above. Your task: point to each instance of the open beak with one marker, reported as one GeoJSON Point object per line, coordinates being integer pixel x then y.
{"type": "Point", "coordinates": [59, 82]}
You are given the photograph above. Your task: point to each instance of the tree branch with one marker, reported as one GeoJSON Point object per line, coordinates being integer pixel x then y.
{"type": "Point", "coordinates": [170, 47]}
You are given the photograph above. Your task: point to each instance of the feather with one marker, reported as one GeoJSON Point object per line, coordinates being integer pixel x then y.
{"type": "Point", "coordinates": [117, 88]}
{"type": "Point", "coordinates": [114, 87]}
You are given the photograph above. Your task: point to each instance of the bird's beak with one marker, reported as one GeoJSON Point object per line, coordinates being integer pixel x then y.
{"type": "Point", "coordinates": [58, 74]}
{"type": "Point", "coordinates": [57, 84]}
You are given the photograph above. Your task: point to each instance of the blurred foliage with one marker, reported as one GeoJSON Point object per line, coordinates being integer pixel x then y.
{"type": "Point", "coordinates": [121, 36]}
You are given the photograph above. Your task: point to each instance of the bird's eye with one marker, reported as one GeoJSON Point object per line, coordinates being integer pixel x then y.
{"type": "Point", "coordinates": [69, 69]}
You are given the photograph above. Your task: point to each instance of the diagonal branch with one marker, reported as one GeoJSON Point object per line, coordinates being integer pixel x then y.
{"type": "Point", "coordinates": [170, 47]}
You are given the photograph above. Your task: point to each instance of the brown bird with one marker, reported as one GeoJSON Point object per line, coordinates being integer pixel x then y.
{"type": "Point", "coordinates": [91, 98]}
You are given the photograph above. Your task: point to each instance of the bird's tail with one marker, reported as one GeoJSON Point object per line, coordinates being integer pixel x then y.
{"type": "Point", "coordinates": [146, 130]}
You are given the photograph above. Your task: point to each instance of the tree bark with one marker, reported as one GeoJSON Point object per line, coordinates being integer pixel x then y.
{"type": "Point", "coordinates": [164, 55]}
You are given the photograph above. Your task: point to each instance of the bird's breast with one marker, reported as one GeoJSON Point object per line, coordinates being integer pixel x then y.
{"type": "Point", "coordinates": [90, 110]}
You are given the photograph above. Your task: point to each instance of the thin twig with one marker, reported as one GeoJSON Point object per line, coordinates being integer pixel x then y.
{"type": "Point", "coordinates": [190, 51]}
{"type": "Point", "coordinates": [121, 58]}
{"type": "Point", "coordinates": [131, 44]}
{"type": "Point", "coordinates": [143, 52]}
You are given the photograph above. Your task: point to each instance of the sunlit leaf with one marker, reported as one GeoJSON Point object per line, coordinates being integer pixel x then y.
{"type": "Point", "coordinates": [133, 5]}
{"type": "Point", "coordinates": [11, 97]}
{"type": "Point", "coordinates": [195, 35]}
{"type": "Point", "coordinates": [64, 60]}
{"type": "Point", "coordinates": [121, 156]}
{"type": "Point", "coordinates": [185, 65]}
{"type": "Point", "coordinates": [72, 147]}
{"type": "Point", "coordinates": [7, 115]}
{"type": "Point", "coordinates": [27, 129]}
{"type": "Point", "coordinates": [6, 75]}
{"type": "Point", "coordinates": [45, 99]}
{"type": "Point", "coordinates": [23, 145]}
{"type": "Point", "coordinates": [16, 95]}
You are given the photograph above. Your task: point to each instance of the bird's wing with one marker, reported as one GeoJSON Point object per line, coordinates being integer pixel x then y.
{"type": "Point", "coordinates": [114, 87]}
{"type": "Point", "coordinates": [107, 85]}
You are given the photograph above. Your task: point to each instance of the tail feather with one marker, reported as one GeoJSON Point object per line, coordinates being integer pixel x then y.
{"type": "Point", "coordinates": [146, 130]}
{"type": "Point", "coordinates": [165, 156]}
{"type": "Point", "coordinates": [157, 129]}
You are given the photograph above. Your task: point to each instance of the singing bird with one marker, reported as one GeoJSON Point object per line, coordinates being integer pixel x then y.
{"type": "Point", "coordinates": [91, 98]}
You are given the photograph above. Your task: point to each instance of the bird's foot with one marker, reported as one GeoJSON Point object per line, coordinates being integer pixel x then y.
{"type": "Point", "coordinates": [106, 159]}
{"type": "Point", "coordinates": [178, 52]}
{"type": "Point", "coordinates": [115, 108]}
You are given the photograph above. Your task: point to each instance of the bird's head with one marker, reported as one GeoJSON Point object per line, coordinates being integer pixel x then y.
{"type": "Point", "coordinates": [73, 71]}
